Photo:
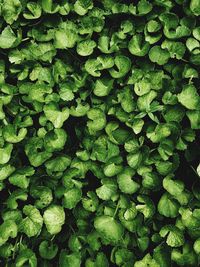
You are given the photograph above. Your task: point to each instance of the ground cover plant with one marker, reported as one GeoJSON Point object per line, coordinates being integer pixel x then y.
{"type": "Point", "coordinates": [99, 133]}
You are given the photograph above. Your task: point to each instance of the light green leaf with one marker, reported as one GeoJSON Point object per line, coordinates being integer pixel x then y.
{"type": "Point", "coordinates": [174, 235]}
{"type": "Point", "coordinates": [71, 198]}
{"type": "Point", "coordinates": [56, 116]}
{"type": "Point", "coordinates": [189, 97]}
{"type": "Point", "coordinates": [126, 183]}
{"type": "Point", "coordinates": [7, 229]}
{"type": "Point", "coordinates": [54, 218]}
{"type": "Point", "coordinates": [32, 224]}
{"type": "Point", "coordinates": [20, 177]}
{"type": "Point", "coordinates": [7, 38]}
{"type": "Point", "coordinates": [86, 47]}
{"type": "Point", "coordinates": [5, 153]}
{"type": "Point", "coordinates": [107, 190]}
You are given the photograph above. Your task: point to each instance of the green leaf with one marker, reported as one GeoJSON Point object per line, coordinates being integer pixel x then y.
{"type": "Point", "coordinates": [197, 246]}
{"type": "Point", "coordinates": [49, 7]}
{"type": "Point", "coordinates": [55, 140]}
{"type": "Point", "coordinates": [48, 250]}
{"type": "Point", "coordinates": [159, 133]}
{"type": "Point", "coordinates": [123, 64]}
{"type": "Point", "coordinates": [137, 46]}
{"type": "Point", "coordinates": [151, 180]}
{"type": "Point", "coordinates": [90, 202]}
{"type": "Point", "coordinates": [196, 33]}
{"type": "Point", "coordinates": [43, 196]}
{"type": "Point", "coordinates": [194, 117]}
{"type": "Point", "coordinates": [174, 187]}
{"type": "Point", "coordinates": [147, 260]}
{"type": "Point", "coordinates": [103, 86]}
{"type": "Point", "coordinates": [74, 243]}
{"type": "Point", "coordinates": [57, 165]}
{"type": "Point", "coordinates": [6, 171]}
{"type": "Point", "coordinates": [35, 91]}
{"type": "Point", "coordinates": [198, 169]}
{"type": "Point", "coordinates": [195, 7]}
{"type": "Point", "coordinates": [14, 197]}
{"type": "Point", "coordinates": [193, 45]}
{"type": "Point", "coordinates": [144, 7]}
{"type": "Point", "coordinates": [167, 206]}
{"type": "Point", "coordinates": [132, 146]}
{"type": "Point", "coordinates": [32, 148]}
{"type": "Point", "coordinates": [103, 149]}
{"type": "Point", "coordinates": [97, 120]}
{"type": "Point", "coordinates": [11, 10]}
{"type": "Point", "coordinates": [146, 206]}
{"type": "Point", "coordinates": [162, 255]}
{"type": "Point", "coordinates": [174, 113]}
{"type": "Point", "coordinates": [81, 7]}
{"type": "Point", "coordinates": [41, 51]}
{"type": "Point", "coordinates": [122, 256]}
{"type": "Point", "coordinates": [176, 49]}
{"type": "Point", "coordinates": [100, 260]}
{"type": "Point", "coordinates": [11, 136]}
{"type": "Point", "coordinates": [6, 250]}
{"type": "Point", "coordinates": [109, 228]}
{"type": "Point", "coordinates": [66, 259]}
{"type": "Point", "coordinates": [142, 87]}
{"type": "Point", "coordinates": [159, 55]}
{"type": "Point", "coordinates": [34, 11]}
{"type": "Point", "coordinates": [184, 257]}
{"type": "Point", "coordinates": [144, 101]}
{"type": "Point", "coordinates": [26, 256]}
{"type": "Point", "coordinates": [116, 134]}
{"type": "Point", "coordinates": [135, 159]}
{"type": "Point", "coordinates": [112, 169]}
{"type": "Point", "coordinates": [126, 100]}
{"type": "Point", "coordinates": [65, 38]}
{"type": "Point", "coordinates": [190, 218]}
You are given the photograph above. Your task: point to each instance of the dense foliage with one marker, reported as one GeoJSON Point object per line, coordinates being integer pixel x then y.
{"type": "Point", "coordinates": [99, 133]}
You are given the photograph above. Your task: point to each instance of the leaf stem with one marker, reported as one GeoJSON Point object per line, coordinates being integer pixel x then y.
{"type": "Point", "coordinates": [194, 170]}
{"type": "Point", "coordinates": [116, 210]}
